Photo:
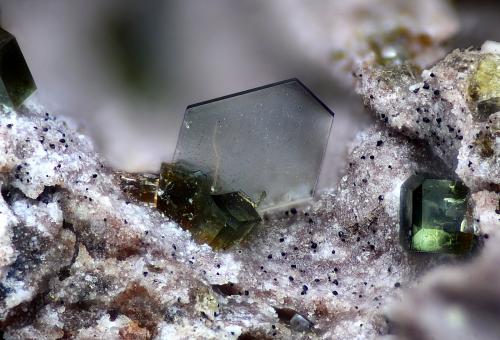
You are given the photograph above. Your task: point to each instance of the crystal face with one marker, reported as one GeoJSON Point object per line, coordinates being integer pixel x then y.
{"type": "Point", "coordinates": [16, 81]}
{"type": "Point", "coordinates": [184, 195]}
{"type": "Point", "coordinates": [267, 142]}
{"type": "Point", "coordinates": [484, 86]}
{"type": "Point", "coordinates": [434, 215]}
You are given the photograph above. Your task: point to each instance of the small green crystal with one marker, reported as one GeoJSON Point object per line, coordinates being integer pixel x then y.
{"type": "Point", "coordinates": [16, 82]}
{"type": "Point", "coordinates": [434, 216]}
{"type": "Point", "coordinates": [185, 196]}
{"type": "Point", "coordinates": [241, 217]}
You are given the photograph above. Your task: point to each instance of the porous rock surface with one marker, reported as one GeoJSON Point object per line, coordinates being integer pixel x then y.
{"type": "Point", "coordinates": [81, 260]}
{"type": "Point", "coordinates": [436, 106]}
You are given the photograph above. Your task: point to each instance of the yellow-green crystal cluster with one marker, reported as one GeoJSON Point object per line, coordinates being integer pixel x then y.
{"type": "Point", "coordinates": [16, 81]}
{"type": "Point", "coordinates": [484, 86]}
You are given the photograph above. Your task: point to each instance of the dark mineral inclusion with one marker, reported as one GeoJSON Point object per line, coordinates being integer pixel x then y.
{"type": "Point", "coordinates": [260, 148]}
{"type": "Point", "coordinates": [434, 216]}
{"type": "Point", "coordinates": [16, 82]}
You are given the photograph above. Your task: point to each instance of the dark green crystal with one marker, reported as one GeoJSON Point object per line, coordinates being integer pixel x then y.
{"type": "Point", "coordinates": [434, 216]}
{"type": "Point", "coordinates": [240, 218]}
{"type": "Point", "coordinates": [186, 197]}
{"type": "Point", "coordinates": [16, 81]}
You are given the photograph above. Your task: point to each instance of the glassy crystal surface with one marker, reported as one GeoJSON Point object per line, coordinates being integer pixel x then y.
{"type": "Point", "coordinates": [434, 216]}
{"type": "Point", "coordinates": [185, 196]}
{"type": "Point", "coordinates": [16, 82]}
{"type": "Point", "coordinates": [267, 142]}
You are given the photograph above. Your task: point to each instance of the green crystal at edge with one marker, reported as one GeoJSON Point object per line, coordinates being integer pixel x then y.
{"type": "Point", "coordinates": [16, 82]}
{"type": "Point", "coordinates": [434, 216]}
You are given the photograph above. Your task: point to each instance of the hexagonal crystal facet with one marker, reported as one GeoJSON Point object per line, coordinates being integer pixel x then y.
{"type": "Point", "coordinates": [433, 216]}
{"type": "Point", "coordinates": [266, 142]}
{"type": "Point", "coordinates": [16, 82]}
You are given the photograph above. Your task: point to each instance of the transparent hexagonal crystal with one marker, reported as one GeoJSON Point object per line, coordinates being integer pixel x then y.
{"type": "Point", "coordinates": [267, 142]}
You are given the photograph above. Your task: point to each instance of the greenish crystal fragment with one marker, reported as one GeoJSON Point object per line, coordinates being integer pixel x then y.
{"type": "Point", "coordinates": [434, 216]}
{"type": "Point", "coordinates": [488, 106]}
{"type": "Point", "coordinates": [485, 82]}
{"type": "Point", "coordinates": [241, 217]}
{"type": "Point", "coordinates": [16, 81]}
{"type": "Point", "coordinates": [484, 86]}
{"type": "Point", "coordinates": [185, 196]}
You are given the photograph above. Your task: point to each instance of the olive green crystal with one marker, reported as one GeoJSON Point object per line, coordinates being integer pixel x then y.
{"type": "Point", "coordinates": [398, 46]}
{"type": "Point", "coordinates": [434, 216]}
{"type": "Point", "coordinates": [16, 82]}
{"type": "Point", "coordinates": [185, 196]}
{"type": "Point", "coordinates": [484, 85]}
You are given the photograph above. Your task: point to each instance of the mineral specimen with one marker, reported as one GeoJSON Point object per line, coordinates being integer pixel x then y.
{"type": "Point", "coordinates": [267, 140]}
{"type": "Point", "coordinates": [185, 196]}
{"type": "Point", "coordinates": [433, 216]}
{"type": "Point", "coordinates": [80, 260]}
{"type": "Point", "coordinates": [16, 82]}
{"type": "Point", "coordinates": [87, 262]}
